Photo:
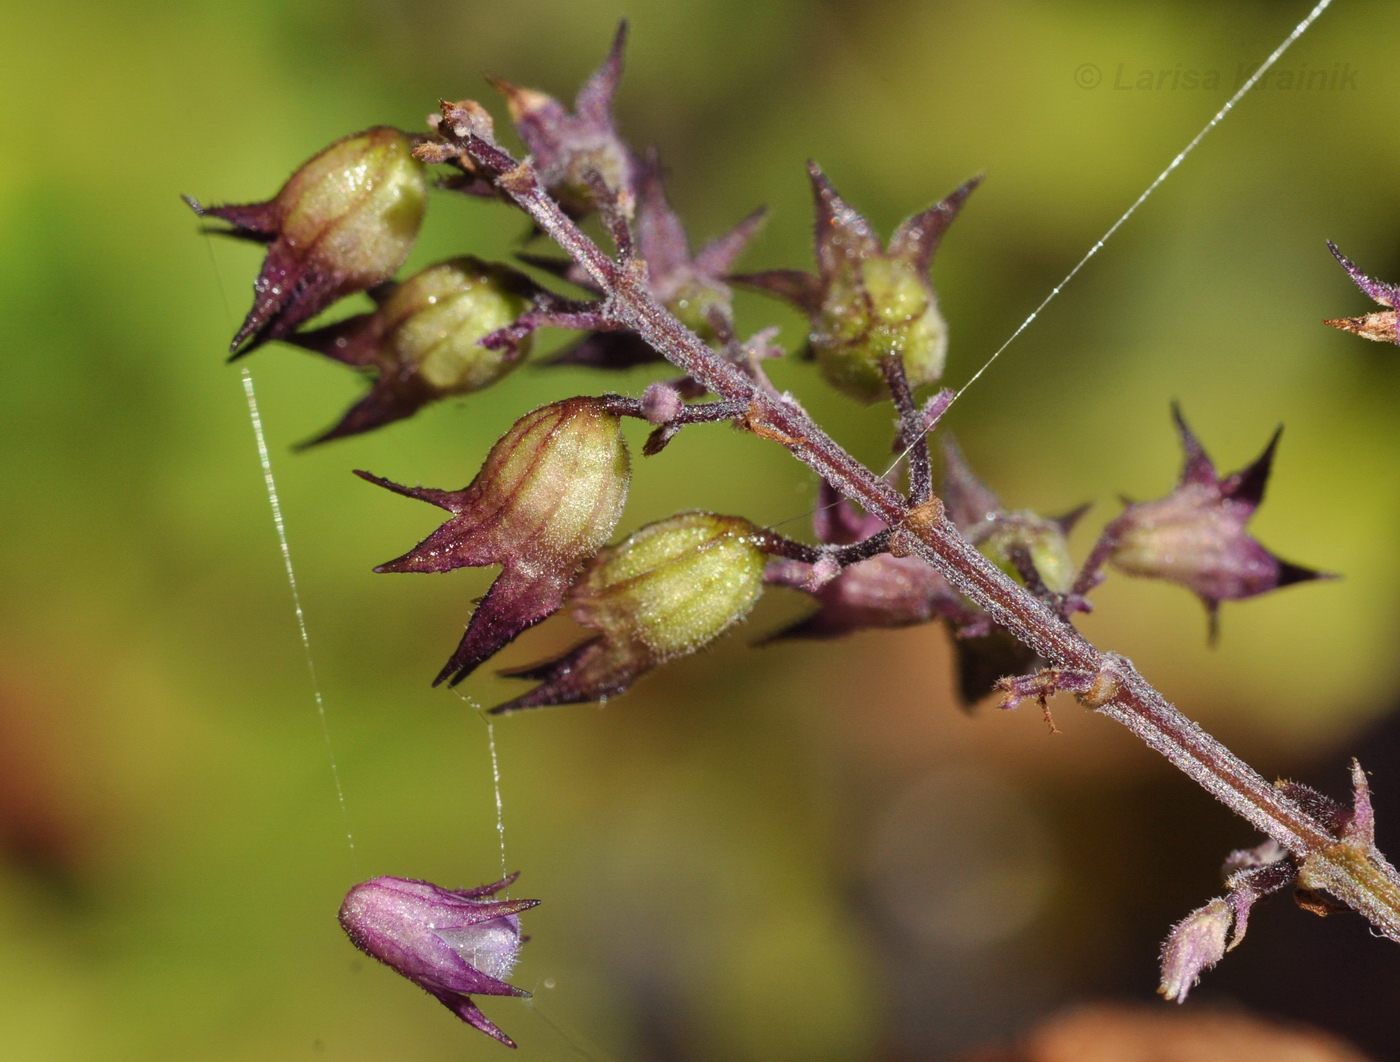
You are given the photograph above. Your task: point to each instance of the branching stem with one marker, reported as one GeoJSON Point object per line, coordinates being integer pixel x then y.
{"type": "Point", "coordinates": [1361, 878]}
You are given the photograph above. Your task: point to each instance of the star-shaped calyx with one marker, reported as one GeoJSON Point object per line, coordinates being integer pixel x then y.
{"type": "Point", "coordinates": [867, 301]}
{"type": "Point", "coordinates": [423, 341]}
{"type": "Point", "coordinates": [548, 496]}
{"type": "Point", "coordinates": [669, 589]}
{"type": "Point", "coordinates": [1196, 536]}
{"type": "Point", "coordinates": [343, 223]}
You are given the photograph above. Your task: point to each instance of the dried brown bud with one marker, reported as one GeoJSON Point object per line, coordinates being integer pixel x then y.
{"type": "Point", "coordinates": [549, 494]}
{"type": "Point", "coordinates": [1381, 326]}
{"type": "Point", "coordinates": [343, 223]}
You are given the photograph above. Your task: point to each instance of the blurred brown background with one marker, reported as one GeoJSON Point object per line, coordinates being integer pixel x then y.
{"type": "Point", "coordinates": [803, 853]}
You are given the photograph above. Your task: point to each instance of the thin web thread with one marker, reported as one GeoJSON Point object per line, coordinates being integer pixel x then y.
{"type": "Point", "coordinates": [496, 780]}
{"type": "Point", "coordinates": [1219, 116]}
{"type": "Point", "coordinates": [495, 775]}
{"type": "Point", "coordinates": [575, 1042]}
{"type": "Point", "coordinates": [266, 460]}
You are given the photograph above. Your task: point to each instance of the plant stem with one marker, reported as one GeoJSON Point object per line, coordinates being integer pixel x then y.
{"type": "Point", "coordinates": [1362, 879]}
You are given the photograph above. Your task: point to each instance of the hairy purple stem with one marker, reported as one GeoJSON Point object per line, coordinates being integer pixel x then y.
{"type": "Point", "coordinates": [912, 437]}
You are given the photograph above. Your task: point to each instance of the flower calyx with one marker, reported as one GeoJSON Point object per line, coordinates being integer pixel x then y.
{"type": "Point", "coordinates": [343, 223]}
{"type": "Point", "coordinates": [548, 496]}
{"type": "Point", "coordinates": [1195, 944]}
{"type": "Point", "coordinates": [1196, 536]}
{"type": "Point", "coordinates": [665, 591]}
{"type": "Point", "coordinates": [567, 147]}
{"type": "Point", "coordinates": [452, 943]}
{"type": "Point", "coordinates": [1028, 546]}
{"type": "Point", "coordinates": [454, 328]}
{"type": "Point", "coordinates": [691, 285]}
{"type": "Point", "coordinates": [879, 592]}
{"type": "Point", "coordinates": [867, 301]}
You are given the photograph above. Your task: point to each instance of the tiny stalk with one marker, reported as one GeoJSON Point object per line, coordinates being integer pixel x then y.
{"type": "Point", "coordinates": [1345, 865]}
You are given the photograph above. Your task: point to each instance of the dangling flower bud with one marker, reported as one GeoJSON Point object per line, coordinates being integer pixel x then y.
{"type": "Point", "coordinates": [343, 223]}
{"type": "Point", "coordinates": [1380, 327]}
{"type": "Point", "coordinates": [1196, 535]}
{"type": "Point", "coordinates": [549, 494]}
{"type": "Point", "coordinates": [666, 591]}
{"type": "Point", "coordinates": [424, 340]}
{"type": "Point", "coordinates": [868, 301]}
{"type": "Point", "coordinates": [565, 146]}
{"type": "Point", "coordinates": [1196, 944]}
{"type": "Point", "coordinates": [451, 943]}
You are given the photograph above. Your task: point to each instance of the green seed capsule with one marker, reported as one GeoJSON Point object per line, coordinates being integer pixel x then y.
{"type": "Point", "coordinates": [434, 320]}
{"type": "Point", "coordinates": [674, 585]}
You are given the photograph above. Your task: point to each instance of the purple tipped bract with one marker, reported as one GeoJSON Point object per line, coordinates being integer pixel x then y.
{"type": "Point", "coordinates": [1380, 326]}
{"type": "Point", "coordinates": [566, 147]}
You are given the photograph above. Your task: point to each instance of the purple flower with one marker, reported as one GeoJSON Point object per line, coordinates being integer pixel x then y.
{"type": "Point", "coordinates": [1196, 535]}
{"type": "Point", "coordinates": [344, 222]}
{"type": "Point", "coordinates": [1381, 326]}
{"type": "Point", "coordinates": [1196, 944]}
{"type": "Point", "coordinates": [548, 496]}
{"type": "Point", "coordinates": [449, 942]}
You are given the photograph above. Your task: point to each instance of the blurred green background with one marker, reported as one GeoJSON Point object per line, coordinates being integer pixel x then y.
{"type": "Point", "coordinates": [800, 853]}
